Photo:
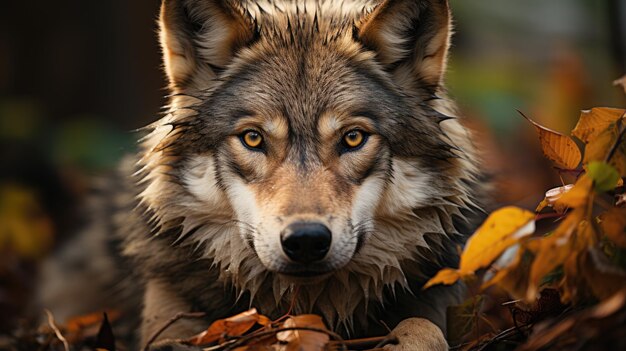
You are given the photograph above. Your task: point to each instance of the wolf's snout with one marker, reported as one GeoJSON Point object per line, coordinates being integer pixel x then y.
{"type": "Point", "coordinates": [306, 242]}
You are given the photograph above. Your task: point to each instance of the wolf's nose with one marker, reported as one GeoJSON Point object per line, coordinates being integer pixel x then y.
{"type": "Point", "coordinates": [306, 242]}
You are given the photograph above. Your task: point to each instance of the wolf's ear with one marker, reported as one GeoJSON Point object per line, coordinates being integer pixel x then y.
{"type": "Point", "coordinates": [410, 37]}
{"type": "Point", "coordinates": [199, 37]}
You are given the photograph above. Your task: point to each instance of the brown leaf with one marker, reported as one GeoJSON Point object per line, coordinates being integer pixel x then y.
{"type": "Point", "coordinates": [232, 326]}
{"type": "Point", "coordinates": [559, 148]}
{"type": "Point", "coordinates": [303, 340]}
{"type": "Point", "coordinates": [595, 121]}
{"type": "Point", "coordinates": [604, 278]}
{"type": "Point", "coordinates": [613, 223]}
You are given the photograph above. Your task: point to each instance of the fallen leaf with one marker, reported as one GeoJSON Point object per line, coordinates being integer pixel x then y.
{"type": "Point", "coordinates": [559, 148]}
{"type": "Point", "coordinates": [613, 223]}
{"type": "Point", "coordinates": [232, 326]}
{"type": "Point", "coordinates": [598, 147]}
{"type": "Point", "coordinates": [551, 251]}
{"type": "Point", "coordinates": [502, 229]}
{"type": "Point", "coordinates": [446, 276]}
{"type": "Point", "coordinates": [578, 195]}
{"type": "Point", "coordinates": [303, 340]}
{"type": "Point", "coordinates": [593, 122]}
{"type": "Point", "coordinates": [552, 196]}
{"type": "Point", "coordinates": [512, 276]}
{"type": "Point", "coordinates": [604, 278]}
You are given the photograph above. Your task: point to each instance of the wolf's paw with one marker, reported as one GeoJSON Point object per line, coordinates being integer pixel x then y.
{"type": "Point", "coordinates": [418, 334]}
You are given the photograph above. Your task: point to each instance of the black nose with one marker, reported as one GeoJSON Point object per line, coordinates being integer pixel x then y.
{"type": "Point", "coordinates": [306, 242]}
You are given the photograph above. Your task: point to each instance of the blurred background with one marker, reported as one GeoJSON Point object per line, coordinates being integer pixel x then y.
{"type": "Point", "coordinates": [77, 77]}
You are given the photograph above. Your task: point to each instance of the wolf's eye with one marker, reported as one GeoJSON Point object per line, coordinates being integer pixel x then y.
{"type": "Point", "coordinates": [252, 139]}
{"type": "Point", "coordinates": [353, 139]}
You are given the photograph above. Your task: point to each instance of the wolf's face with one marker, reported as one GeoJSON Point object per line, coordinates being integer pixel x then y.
{"type": "Point", "coordinates": [311, 129]}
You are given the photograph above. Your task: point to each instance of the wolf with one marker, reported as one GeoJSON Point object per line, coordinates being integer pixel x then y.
{"type": "Point", "coordinates": [309, 161]}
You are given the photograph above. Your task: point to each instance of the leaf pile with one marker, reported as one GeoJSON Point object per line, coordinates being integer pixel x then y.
{"type": "Point", "coordinates": [583, 253]}
{"type": "Point", "coordinates": [251, 331]}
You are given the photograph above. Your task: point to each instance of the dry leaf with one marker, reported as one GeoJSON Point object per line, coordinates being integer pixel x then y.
{"type": "Point", "coordinates": [595, 121]}
{"type": "Point", "coordinates": [303, 340]}
{"type": "Point", "coordinates": [552, 196]}
{"type": "Point", "coordinates": [446, 276]}
{"type": "Point", "coordinates": [232, 326]}
{"type": "Point", "coordinates": [502, 229]}
{"type": "Point", "coordinates": [604, 278]}
{"type": "Point", "coordinates": [613, 224]}
{"type": "Point", "coordinates": [578, 195]}
{"type": "Point", "coordinates": [559, 148]}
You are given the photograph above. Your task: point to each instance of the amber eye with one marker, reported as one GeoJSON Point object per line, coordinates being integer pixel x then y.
{"type": "Point", "coordinates": [354, 139]}
{"type": "Point", "coordinates": [252, 139]}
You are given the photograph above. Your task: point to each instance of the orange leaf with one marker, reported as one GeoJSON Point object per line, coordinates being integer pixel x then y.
{"type": "Point", "coordinates": [599, 146]}
{"type": "Point", "coordinates": [446, 276]}
{"type": "Point", "coordinates": [559, 148]}
{"type": "Point", "coordinates": [232, 326]}
{"type": "Point", "coordinates": [76, 324]}
{"type": "Point", "coordinates": [613, 224]}
{"type": "Point", "coordinates": [303, 340]}
{"type": "Point", "coordinates": [593, 122]}
{"type": "Point", "coordinates": [552, 251]}
{"type": "Point", "coordinates": [552, 196]}
{"type": "Point", "coordinates": [502, 229]}
{"type": "Point", "coordinates": [578, 195]}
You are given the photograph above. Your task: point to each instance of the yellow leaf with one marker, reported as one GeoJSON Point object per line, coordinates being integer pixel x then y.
{"type": "Point", "coordinates": [513, 278]}
{"type": "Point", "coordinates": [502, 229]}
{"type": "Point", "coordinates": [446, 276]}
{"type": "Point", "coordinates": [613, 224]}
{"type": "Point", "coordinates": [578, 195]}
{"type": "Point", "coordinates": [593, 122]}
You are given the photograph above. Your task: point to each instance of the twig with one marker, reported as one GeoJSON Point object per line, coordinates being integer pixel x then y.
{"type": "Point", "coordinates": [245, 339]}
{"type": "Point", "coordinates": [56, 330]}
{"type": "Point", "coordinates": [387, 340]}
{"type": "Point", "coordinates": [502, 335]}
{"type": "Point", "coordinates": [179, 315]}
{"type": "Point", "coordinates": [364, 343]}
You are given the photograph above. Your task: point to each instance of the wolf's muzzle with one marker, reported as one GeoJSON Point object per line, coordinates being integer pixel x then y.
{"type": "Point", "coordinates": [306, 242]}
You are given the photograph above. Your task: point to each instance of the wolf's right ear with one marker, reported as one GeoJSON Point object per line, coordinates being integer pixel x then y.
{"type": "Point", "coordinates": [199, 37]}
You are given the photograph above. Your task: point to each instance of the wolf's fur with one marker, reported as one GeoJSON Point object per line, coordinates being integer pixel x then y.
{"type": "Point", "coordinates": [204, 233]}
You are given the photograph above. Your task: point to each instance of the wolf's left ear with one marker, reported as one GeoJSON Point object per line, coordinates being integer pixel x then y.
{"type": "Point", "coordinates": [199, 37]}
{"type": "Point", "coordinates": [410, 37]}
